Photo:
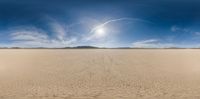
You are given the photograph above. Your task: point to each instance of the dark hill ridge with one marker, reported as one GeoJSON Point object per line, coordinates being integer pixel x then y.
{"type": "Point", "coordinates": [93, 47]}
{"type": "Point", "coordinates": [85, 47]}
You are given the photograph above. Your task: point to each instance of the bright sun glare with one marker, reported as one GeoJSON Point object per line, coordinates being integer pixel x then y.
{"type": "Point", "coordinates": [100, 32]}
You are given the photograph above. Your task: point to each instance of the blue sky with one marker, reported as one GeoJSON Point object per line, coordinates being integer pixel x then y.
{"type": "Point", "coordinates": [103, 23]}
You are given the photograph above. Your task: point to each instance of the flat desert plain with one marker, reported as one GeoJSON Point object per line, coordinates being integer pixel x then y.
{"type": "Point", "coordinates": [99, 74]}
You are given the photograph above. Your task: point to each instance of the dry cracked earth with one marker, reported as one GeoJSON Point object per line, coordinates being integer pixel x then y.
{"type": "Point", "coordinates": [99, 74]}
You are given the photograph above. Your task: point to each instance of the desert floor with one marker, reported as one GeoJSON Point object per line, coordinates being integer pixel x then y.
{"type": "Point", "coordinates": [99, 74]}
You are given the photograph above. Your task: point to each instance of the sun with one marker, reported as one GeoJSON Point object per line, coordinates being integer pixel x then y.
{"type": "Point", "coordinates": [100, 32]}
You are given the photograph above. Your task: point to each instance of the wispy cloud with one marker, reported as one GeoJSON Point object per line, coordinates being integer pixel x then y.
{"type": "Point", "coordinates": [29, 35]}
{"type": "Point", "coordinates": [115, 20]}
{"type": "Point", "coordinates": [151, 43]}
{"type": "Point", "coordinates": [93, 36]}
{"type": "Point", "coordinates": [179, 29]}
{"type": "Point", "coordinates": [185, 30]}
{"type": "Point", "coordinates": [195, 34]}
{"type": "Point", "coordinates": [34, 37]}
{"type": "Point", "coordinates": [59, 30]}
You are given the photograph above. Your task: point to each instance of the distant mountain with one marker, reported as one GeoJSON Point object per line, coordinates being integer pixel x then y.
{"type": "Point", "coordinates": [93, 47]}
{"type": "Point", "coordinates": [85, 47]}
{"type": "Point", "coordinates": [123, 48]}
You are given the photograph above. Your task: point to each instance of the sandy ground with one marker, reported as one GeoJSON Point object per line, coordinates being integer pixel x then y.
{"type": "Point", "coordinates": [99, 74]}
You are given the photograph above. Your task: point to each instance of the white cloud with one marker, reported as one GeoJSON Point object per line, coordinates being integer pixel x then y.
{"type": "Point", "coordinates": [29, 36]}
{"type": "Point", "coordinates": [115, 20]}
{"type": "Point", "coordinates": [151, 43]}
{"type": "Point", "coordinates": [186, 31]}
{"type": "Point", "coordinates": [94, 36]}
{"type": "Point", "coordinates": [197, 33]}
{"type": "Point", "coordinates": [174, 28]}
{"type": "Point", "coordinates": [179, 29]}
{"type": "Point", "coordinates": [33, 37]}
{"type": "Point", "coordinates": [62, 32]}
{"type": "Point", "coordinates": [59, 30]}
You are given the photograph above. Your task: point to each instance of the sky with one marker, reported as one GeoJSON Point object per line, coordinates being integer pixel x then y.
{"type": "Point", "coordinates": [101, 23]}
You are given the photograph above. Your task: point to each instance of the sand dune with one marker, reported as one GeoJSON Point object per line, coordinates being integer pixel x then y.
{"type": "Point", "coordinates": [99, 74]}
